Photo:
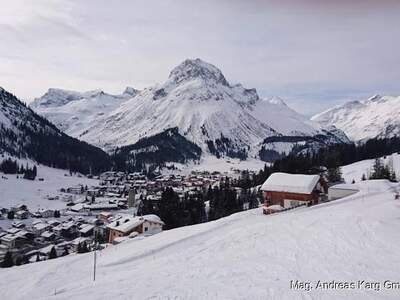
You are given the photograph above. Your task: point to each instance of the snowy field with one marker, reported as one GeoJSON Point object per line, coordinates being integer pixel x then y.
{"type": "Point", "coordinates": [357, 169]}
{"type": "Point", "coordinates": [211, 163]}
{"type": "Point", "coordinates": [245, 256]}
{"type": "Point", "coordinates": [15, 191]}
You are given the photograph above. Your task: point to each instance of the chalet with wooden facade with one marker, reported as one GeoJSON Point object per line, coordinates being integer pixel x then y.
{"type": "Point", "coordinates": [291, 190]}
{"type": "Point", "coordinates": [124, 226]}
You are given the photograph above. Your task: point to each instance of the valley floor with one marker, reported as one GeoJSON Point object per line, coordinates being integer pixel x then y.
{"type": "Point", "coordinates": [33, 193]}
{"type": "Point", "coordinates": [245, 256]}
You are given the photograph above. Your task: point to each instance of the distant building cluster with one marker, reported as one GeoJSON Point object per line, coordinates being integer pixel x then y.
{"type": "Point", "coordinates": [93, 217]}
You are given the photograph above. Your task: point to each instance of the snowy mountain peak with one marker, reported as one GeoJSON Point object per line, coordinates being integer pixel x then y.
{"type": "Point", "coordinates": [220, 118]}
{"type": "Point", "coordinates": [196, 68]}
{"type": "Point", "coordinates": [374, 98]}
{"type": "Point", "coordinates": [276, 100]}
{"type": "Point", "coordinates": [375, 117]}
{"type": "Point", "coordinates": [55, 97]}
{"type": "Point", "coordinates": [130, 91]}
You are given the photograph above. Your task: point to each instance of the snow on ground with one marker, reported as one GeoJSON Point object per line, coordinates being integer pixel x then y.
{"type": "Point", "coordinates": [211, 163]}
{"type": "Point", "coordinates": [245, 256]}
{"type": "Point", "coordinates": [15, 191]}
{"type": "Point", "coordinates": [357, 169]}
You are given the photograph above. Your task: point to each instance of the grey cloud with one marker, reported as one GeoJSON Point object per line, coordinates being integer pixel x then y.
{"type": "Point", "coordinates": [313, 53]}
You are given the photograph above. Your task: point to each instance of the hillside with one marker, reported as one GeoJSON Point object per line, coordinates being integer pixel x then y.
{"type": "Point", "coordinates": [245, 256]}
{"type": "Point", "coordinates": [25, 134]}
{"type": "Point", "coordinates": [356, 170]}
{"type": "Point", "coordinates": [376, 117]}
{"type": "Point", "coordinates": [223, 119]}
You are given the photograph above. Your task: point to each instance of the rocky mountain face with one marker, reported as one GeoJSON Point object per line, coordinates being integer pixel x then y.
{"type": "Point", "coordinates": [25, 134]}
{"type": "Point", "coordinates": [220, 118]}
{"type": "Point", "coordinates": [376, 117]}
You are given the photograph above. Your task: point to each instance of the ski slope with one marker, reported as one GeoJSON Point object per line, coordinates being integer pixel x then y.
{"type": "Point", "coordinates": [244, 256]}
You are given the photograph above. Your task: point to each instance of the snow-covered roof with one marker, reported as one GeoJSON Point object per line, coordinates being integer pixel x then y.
{"type": "Point", "coordinates": [291, 183]}
{"type": "Point", "coordinates": [47, 249]}
{"type": "Point", "coordinates": [79, 240]}
{"type": "Point", "coordinates": [47, 234]}
{"type": "Point", "coordinates": [86, 228]}
{"type": "Point", "coordinates": [40, 226]}
{"type": "Point", "coordinates": [128, 223]}
{"type": "Point", "coordinates": [101, 206]}
{"type": "Point", "coordinates": [154, 219]}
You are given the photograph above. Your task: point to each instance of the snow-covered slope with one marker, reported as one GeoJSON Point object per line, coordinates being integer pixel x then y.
{"type": "Point", "coordinates": [245, 256]}
{"type": "Point", "coordinates": [25, 134]}
{"type": "Point", "coordinates": [356, 170]}
{"type": "Point", "coordinates": [74, 112]}
{"type": "Point", "coordinates": [15, 190]}
{"type": "Point", "coordinates": [198, 100]}
{"type": "Point", "coordinates": [361, 120]}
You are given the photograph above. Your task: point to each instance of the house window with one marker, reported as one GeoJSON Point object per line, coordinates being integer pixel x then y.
{"type": "Point", "coordinates": [145, 229]}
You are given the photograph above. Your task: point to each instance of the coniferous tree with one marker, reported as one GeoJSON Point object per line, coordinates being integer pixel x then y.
{"type": "Point", "coordinates": [53, 253]}
{"type": "Point", "coordinates": [8, 260]}
{"type": "Point", "coordinates": [79, 248]}
{"type": "Point", "coordinates": [335, 174]}
{"type": "Point", "coordinates": [10, 215]}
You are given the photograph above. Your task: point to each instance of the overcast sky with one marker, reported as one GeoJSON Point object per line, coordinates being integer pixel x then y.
{"type": "Point", "coordinates": [311, 54]}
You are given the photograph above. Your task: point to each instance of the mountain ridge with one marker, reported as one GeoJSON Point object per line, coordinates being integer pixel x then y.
{"type": "Point", "coordinates": [197, 99]}
{"type": "Point", "coordinates": [375, 117]}
{"type": "Point", "coordinates": [25, 134]}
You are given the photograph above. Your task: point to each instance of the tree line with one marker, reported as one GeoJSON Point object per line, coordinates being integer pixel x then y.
{"type": "Point", "coordinates": [330, 159]}
{"type": "Point", "coordinates": [200, 206]}
{"type": "Point", "coordinates": [9, 166]}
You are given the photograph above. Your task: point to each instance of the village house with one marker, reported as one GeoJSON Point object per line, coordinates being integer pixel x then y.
{"type": "Point", "coordinates": [104, 216]}
{"type": "Point", "coordinates": [79, 241]}
{"type": "Point", "coordinates": [12, 241]}
{"type": "Point", "coordinates": [39, 228]}
{"type": "Point", "coordinates": [22, 214]}
{"type": "Point", "coordinates": [75, 189]}
{"type": "Point", "coordinates": [18, 224]}
{"type": "Point", "coordinates": [46, 213]}
{"type": "Point", "coordinates": [86, 230]}
{"type": "Point", "coordinates": [291, 190]}
{"type": "Point", "coordinates": [48, 236]}
{"type": "Point", "coordinates": [124, 226]}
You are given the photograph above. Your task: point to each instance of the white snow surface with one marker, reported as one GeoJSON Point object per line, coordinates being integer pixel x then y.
{"type": "Point", "coordinates": [196, 98]}
{"type": "Point", "coordinates": [356, 170]}
{"type": "Point", "coordinates": [290, 183]}
{"type": "Point", "coordinates": [377, 116]}
{"type": "Point", "coordinates": [74, 112]}
{"type": "Point", "coordinates": [245, 256]}
{"type": "Point", "coordinates": [15, 191]}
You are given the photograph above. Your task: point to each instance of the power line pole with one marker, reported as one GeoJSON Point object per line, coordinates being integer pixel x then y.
{"type": "Point", "coordinates": [94, 263]}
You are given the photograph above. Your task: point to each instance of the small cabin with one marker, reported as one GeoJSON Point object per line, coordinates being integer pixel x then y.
{"type": "Point", "coordinates": [291, 190]}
